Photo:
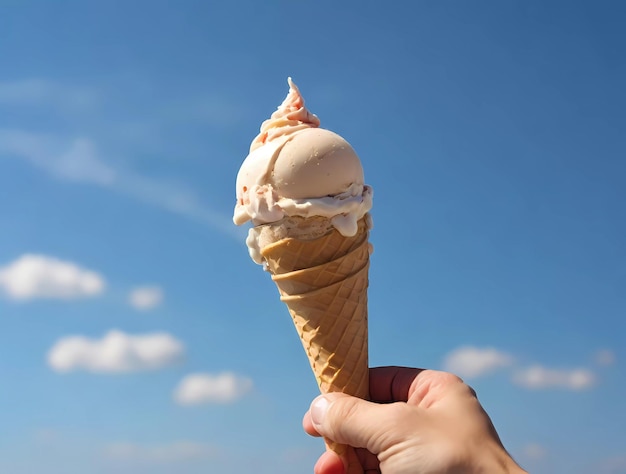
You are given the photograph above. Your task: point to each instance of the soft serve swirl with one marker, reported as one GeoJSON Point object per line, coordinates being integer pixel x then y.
{"type": "Point", "coordinates": [290, 117]}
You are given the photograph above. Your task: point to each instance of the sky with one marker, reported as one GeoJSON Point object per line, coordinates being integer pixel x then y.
{"type": "Point", "coordinates": [137, 336]}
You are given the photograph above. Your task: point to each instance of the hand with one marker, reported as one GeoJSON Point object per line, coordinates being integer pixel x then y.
{"type": "Point", "coordinates": [419, 421]}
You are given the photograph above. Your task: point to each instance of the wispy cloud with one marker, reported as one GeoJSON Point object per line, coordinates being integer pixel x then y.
{"type": "Point", "coordinates": [46, 436]}
{"type": "Point", "coordinates": [78, 160]}
{"type": "Point", "coordinates": [116, 352]}
{"type": "Point", "coordinates": [196, 389]}
{"type": "Point", "coordinates": [146, 297]}
{"type": "Point", "coordinates": [534, 451]}
{"type": "Point", "coordinates": [612, 465]}
{"type": "Point", "coordinates": [161, 453]}
{"type": "Point", "coordinates": [39, 276]}
{"type": "Point", "coordinates": [73, 160]}
{"type": "Point", "coordinates": [38, 92]}
{"type": "Point", "coordinates": [604, 357]}
{"type": "Point", "coordinates": [475, 361]}
{"type": "Point", "coordinates": [538, 377]}
{"type": "Point", "coordinates": [470, 362]}
{"type": "Point", "coordinates": [213, 109]}
{"type": "Point", "coordinates": [174, 198]}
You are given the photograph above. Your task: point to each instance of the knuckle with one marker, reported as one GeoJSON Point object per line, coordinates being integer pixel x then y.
{"type": "Point", "coordinates": [471, 391]}
{"type": "Point", "coordinates": [395, 413]}
{"type": "Point", "coordinates": [342, 413]}
{"type": "Point", "coordinates": [390, 430]}
{"type": "Point", "coordinates": [451, 379]}
{"type": "Point", "coordinates": [344, 409]}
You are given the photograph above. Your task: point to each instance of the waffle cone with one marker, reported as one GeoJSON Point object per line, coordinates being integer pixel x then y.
{"type": "Point", "coordinates": [323, 281]}
{"type": "Point", "coordinates": [324, 275]}
{"type": "Point", "coordinates": [300, 248]}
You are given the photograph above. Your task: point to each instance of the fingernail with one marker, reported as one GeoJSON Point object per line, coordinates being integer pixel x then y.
{"type": "Point", "coordinates": [318, 409]}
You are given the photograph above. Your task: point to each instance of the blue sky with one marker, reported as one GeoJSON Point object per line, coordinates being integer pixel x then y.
{"type": "Point", "coordinates": [136, 335]}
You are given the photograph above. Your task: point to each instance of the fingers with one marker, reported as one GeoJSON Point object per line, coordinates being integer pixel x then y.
{"type": "Point", "coordinates": [391, 384]}
{"type": "Point", "coordinates": [398, 384]}
{"type": "Point", "coordinates": [387, 385]}
{"type": "Point", "coordinates": [307, 424]}
{"type": "Point", "coordinates": [352, 421]}
{"type": "Point", "coordinates": [329, 463]}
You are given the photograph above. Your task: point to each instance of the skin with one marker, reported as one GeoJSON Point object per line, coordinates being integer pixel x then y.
{"type": "Point", "coordinates": [419, 421]}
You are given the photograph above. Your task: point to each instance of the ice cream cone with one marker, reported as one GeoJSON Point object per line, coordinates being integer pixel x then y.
{"type": "Point", "coordinates": [324, 284]}
{"type": "Point", "coordinates": [332, 325]}
{"type": "Point", "coordinates": [304, 191]}
{"type": "Point", "coordinates": [323, 281]}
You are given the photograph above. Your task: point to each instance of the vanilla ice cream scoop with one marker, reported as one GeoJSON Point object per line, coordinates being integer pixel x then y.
{"type": "Point", "coordinates": [296, 168]}
{"type": "Point", "coordinates": [315, 163]}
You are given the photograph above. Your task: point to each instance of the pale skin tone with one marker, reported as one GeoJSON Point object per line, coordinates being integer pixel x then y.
{"type": "Point", "coordinates": [419, 422]}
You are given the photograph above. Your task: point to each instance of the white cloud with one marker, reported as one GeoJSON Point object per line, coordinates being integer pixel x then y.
{"type": "Point", "coordinates": [474, 361]}
{"type": "Point", "coordinates": [538, 377]}
{"type": "Point", "coordinates": [197, 389]}
{"type": "Point", "coordinates": [165, 453]}
{"type": "Point", "coordinates": [604, 357]}
{"type": "Point", "coordinates": [116, 352]}
{"type": "Point", "coordinates": [146, 297]}
{"type": "Point", "coordinates": [40, 276]}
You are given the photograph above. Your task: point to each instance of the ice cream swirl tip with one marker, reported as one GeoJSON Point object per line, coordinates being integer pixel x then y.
{"type": "Point", "coordinates": [291, 116]}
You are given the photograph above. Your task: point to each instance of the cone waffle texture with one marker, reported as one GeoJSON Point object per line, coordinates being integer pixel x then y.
{"type": "Point", "coordinates": [323, 281]}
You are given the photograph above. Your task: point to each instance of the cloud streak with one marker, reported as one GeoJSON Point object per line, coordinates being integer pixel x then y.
{"type": "Point", "coordinates": [38, 92]}
{"type": "Point", "coordinates": [78, 161]}
{"type": "Point", "coordinates": [612, 465]}
{"type": "Point", "coordinates": [534, 451]}
{"type": "Point", "coordinates": [604, 358]}
{"type": "Point", "coordinates": [73, 160]}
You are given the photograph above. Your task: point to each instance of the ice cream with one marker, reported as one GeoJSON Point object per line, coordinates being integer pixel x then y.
{"type": "Point", "coordinates": [302, 188]}
{"type": "Point", "coordinates": [297, 169]}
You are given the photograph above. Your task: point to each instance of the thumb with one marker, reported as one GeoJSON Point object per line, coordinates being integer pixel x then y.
{"type": "Point", "coordinates": [355, 422]}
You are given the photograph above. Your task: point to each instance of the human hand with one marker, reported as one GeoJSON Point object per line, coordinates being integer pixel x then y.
{"type": "Point", "coordinates": [419, 421]}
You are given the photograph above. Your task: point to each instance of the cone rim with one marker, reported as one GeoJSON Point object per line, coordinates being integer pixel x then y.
{"type": "Point", "coordinates": [303, 271]}
{"type": "Point", "coordinates": [269, 247]}
{"type": "Point", "coordinates": [302, 296]}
